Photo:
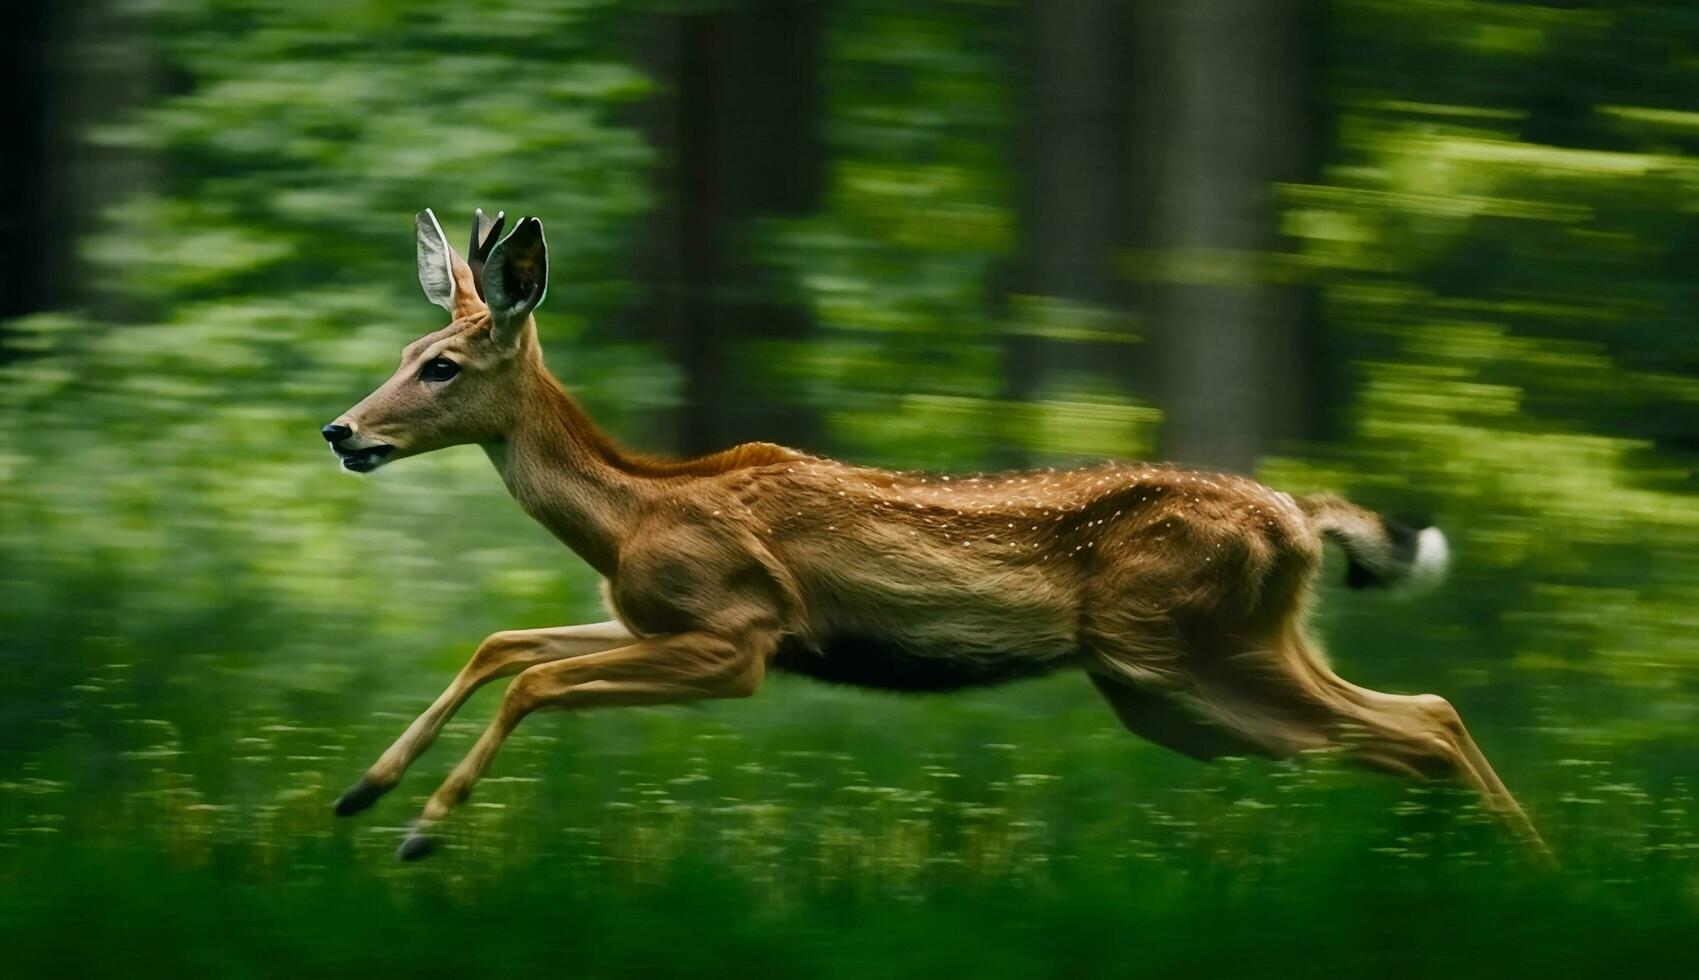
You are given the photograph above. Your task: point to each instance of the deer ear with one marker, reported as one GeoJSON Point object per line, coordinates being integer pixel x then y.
{"type": "Point", "coordinates": [445, 276]}
{"type": "Point", "coordinates": [436, 262]}
{"type": "Point", "coordinates": [486, 231]}
{"type": "Point", "coordinates": [516, 276]}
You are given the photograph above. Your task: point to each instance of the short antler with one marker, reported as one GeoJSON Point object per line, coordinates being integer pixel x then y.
{"type": "Point", "coordinates": [485, 234]}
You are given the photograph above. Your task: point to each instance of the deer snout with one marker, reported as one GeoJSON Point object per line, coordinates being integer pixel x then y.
{"type": "Point", "coordinates": [359, 454]}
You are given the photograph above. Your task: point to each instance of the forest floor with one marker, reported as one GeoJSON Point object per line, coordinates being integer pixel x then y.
{"type": "Point", "coordinates": [822, 834]}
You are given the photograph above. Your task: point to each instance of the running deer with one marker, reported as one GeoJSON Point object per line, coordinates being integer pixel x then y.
{"type": "Point", "coordinates": [1181, 595]}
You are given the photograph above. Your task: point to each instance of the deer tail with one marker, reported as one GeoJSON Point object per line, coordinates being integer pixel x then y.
{"type": "Point", "coordinates": [1381, 553]}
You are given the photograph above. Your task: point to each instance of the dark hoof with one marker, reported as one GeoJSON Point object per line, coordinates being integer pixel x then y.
{"type": "Point", "coordinates": [415, 847]}
{"type": "Point", "coordinates": [359, 796]}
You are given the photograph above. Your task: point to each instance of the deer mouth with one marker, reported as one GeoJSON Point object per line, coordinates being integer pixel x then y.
{"type": "Point", "coordinates": [365, 459]}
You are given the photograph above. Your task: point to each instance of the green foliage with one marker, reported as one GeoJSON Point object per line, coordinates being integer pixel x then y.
{"type": "Point", "coordinates": [167, 497]}
{"type": "Point", "coordinates": [1524, 363]}
{"type": "Point", "coordinates": [899, 267]}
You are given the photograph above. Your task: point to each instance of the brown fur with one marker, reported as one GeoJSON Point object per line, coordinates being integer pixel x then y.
{"type": "Point", "coordinates": [1181, 594]}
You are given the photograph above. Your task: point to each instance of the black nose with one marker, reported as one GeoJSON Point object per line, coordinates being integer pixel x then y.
{"type": "Point", "coordinates": [335, 432]}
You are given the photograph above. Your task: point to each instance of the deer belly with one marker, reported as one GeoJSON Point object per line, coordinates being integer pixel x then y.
{"type": "Point", "coordinates": [887, 665]}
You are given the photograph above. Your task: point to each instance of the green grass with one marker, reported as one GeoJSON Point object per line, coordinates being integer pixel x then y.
{"type": "Point", "coordinates": [819, 833]}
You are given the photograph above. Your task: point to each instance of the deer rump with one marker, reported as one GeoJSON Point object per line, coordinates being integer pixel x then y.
{"type": "Point", "coordinates": [886, 665]}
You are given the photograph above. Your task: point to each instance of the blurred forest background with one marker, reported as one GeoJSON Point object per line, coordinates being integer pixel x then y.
{"type": "Point", "coordinates": [1438, 255]}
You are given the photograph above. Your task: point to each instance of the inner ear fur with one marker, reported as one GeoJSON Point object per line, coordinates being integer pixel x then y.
{"type": "Point", "coordinates": [445, 277]}
{"type": "Point", "coordinates": [516, 278]}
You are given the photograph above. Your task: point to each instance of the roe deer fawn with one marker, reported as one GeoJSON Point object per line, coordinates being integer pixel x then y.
{"type": "Point", "coordinates": [1180, 594]}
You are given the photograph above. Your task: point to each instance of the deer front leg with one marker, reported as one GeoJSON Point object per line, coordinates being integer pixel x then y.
{"type": "Point", "coordinates": [657, 670]}
{"type": "Point", "coordinates": [504, 653]}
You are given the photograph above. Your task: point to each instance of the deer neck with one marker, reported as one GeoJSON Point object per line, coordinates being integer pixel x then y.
{"type": "Point", "coordinates": [566, 473]}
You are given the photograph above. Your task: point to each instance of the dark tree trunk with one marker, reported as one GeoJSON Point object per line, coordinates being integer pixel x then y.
{"type": "Point", "coordinates": [27, 264]}
{"type": "Point", "coordinates": [72, 64]}
{"type": "Point", "coordinates": [1072, 186]}
{"type": "Point", "coordinates": [1227, 112]}
{"type": "Point", "coordinates": [738, 128]}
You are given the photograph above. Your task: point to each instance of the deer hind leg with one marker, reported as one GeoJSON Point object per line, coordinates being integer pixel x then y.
{"type": "Point", "coordinates": [654, 670]}
{"type": "Point", "coordinates": [1423, 736]}
{"type": "Point", "coordinates": [1188, 723]}
{"type": "Point", "coordinates": [1279, 699]}
{"type": "Point", "coordinates": [502, 654]}
{"type": "Point", "coordinates": [1419, 736]}
{"type": "Point", "coordinates": [1202, 704]}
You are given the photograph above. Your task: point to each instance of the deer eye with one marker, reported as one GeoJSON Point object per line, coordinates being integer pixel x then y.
{"type": "Point", "coordinates": [438, 369]}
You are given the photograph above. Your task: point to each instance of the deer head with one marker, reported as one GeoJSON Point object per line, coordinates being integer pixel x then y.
{"type": "Point", "coordinates": [455, 385]}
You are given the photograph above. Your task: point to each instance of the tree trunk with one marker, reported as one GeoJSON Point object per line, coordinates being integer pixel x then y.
{"type": "Point", "coordinates": [26, 267]}
{"type": "Point", "coordinates": [1226, 114]}
{"type": "Point", "coordinates": [1071, 181]}
{"type": "Point", "coordinates": [76, 64]}
{"type": "Point", "coordinates": [739, 131]}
